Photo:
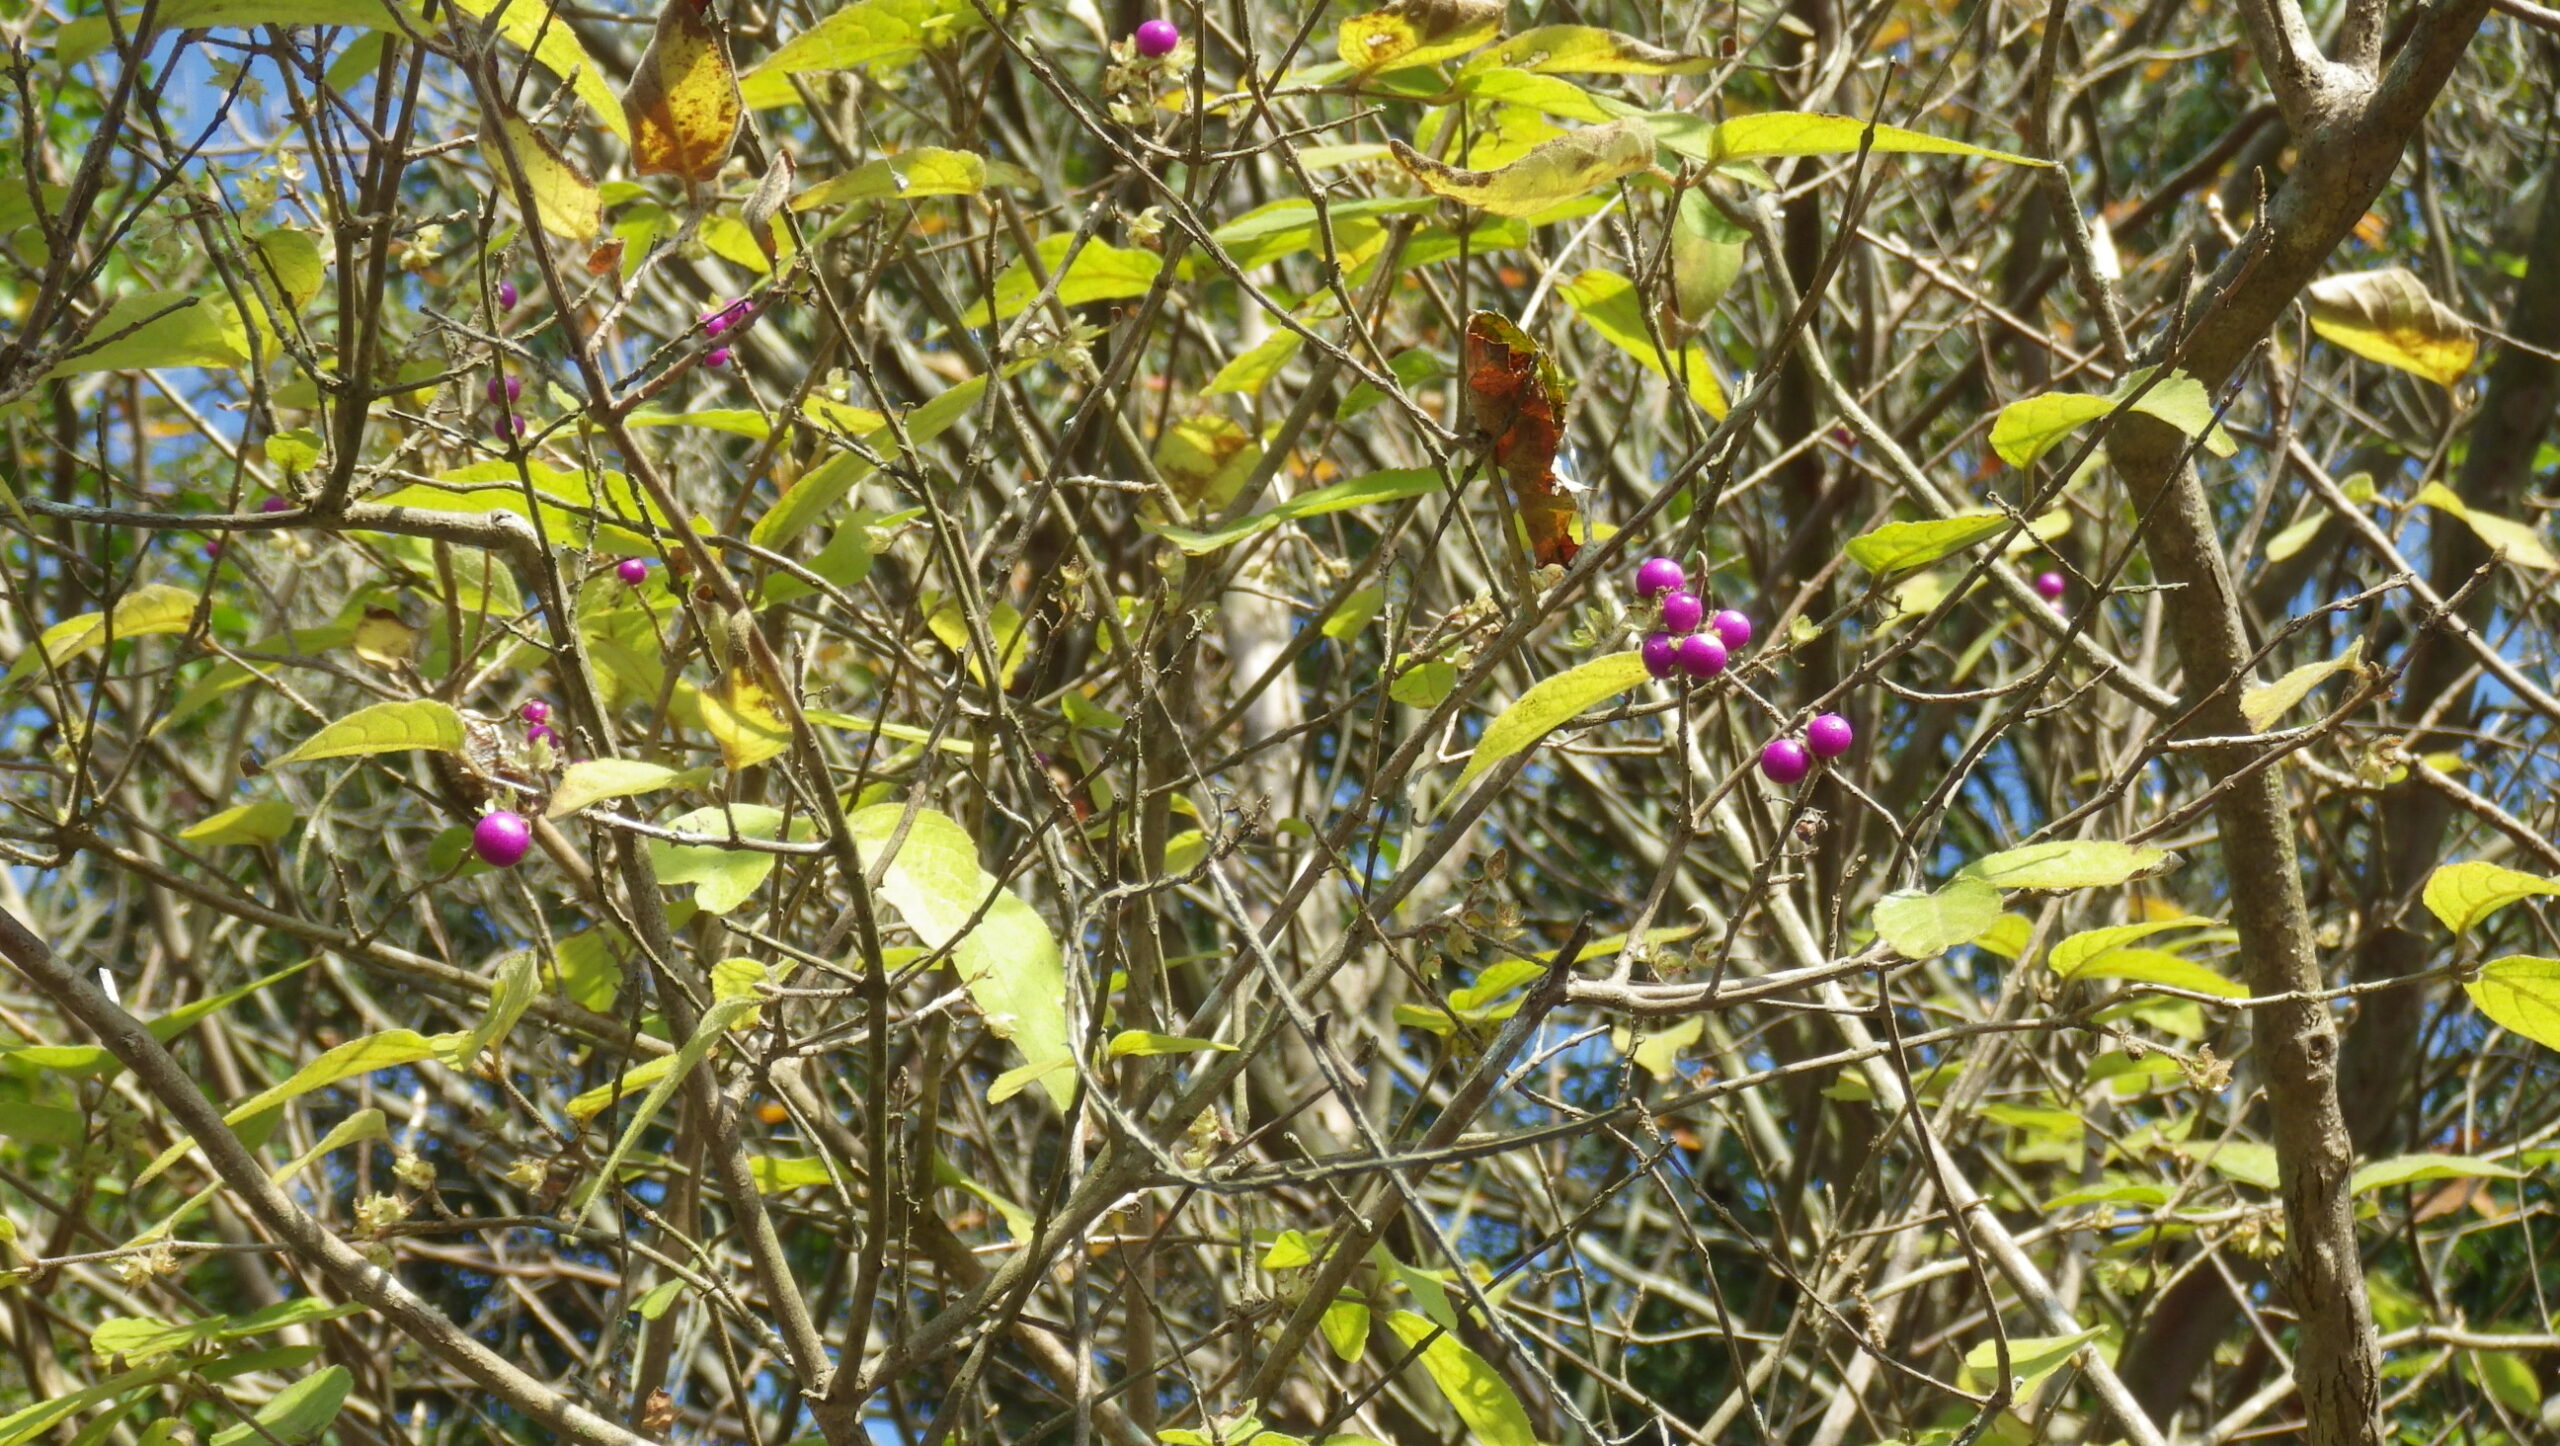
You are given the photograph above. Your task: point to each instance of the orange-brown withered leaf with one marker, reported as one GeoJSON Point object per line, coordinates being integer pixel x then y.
{"type": "Point", "coordinates": [683, 100]}
{"type": "Point", "coordinates": [1516, 399]}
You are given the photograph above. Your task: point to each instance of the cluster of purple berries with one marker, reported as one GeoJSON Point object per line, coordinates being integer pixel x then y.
{"type": "Point", "coordinates": [1699, 646]}
{"type": "Point", "coordinates": [733, 317]}
{"type": "Point", "coordinates": [537, 717]}
{"type": "Point", "coordinates": [503, 393]}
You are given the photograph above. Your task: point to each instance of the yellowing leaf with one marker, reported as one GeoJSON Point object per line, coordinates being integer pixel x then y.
{"type": "Point", "coordinates": [1586, 50]}
{"type": "Point", "coordinates": [1551, 174]}
{"type": "Point", "coordinates": [1346, 1329]}
{"type": "Point", "coordinates": [382, 639]}
{"type": "Point", "coordinates": [1011, 640]}
{"type": "Point", "coordinates": [743, 717]}
{"type": "Point", "coordinates": [869, 33]}
{"type": "Point", "coordinates": [1206, 458]}
{"type": "Point", "coordinates": [2089, 864]}
{"type": "Point", "coordinates": [564, 200]}
{"type": "Point", "coordinates": [1797, 133]}
{"type": "Point", "coordinates": [384, 728]}
{"type": "Point", "coordinates": [151, 608]}
{"type": "Point", "coordinates": [1610, 305]}
{"type": "Point", "coordinates": [1548, 706]}
{"type": "Point", "coordinates": [1140, 1043]}
{"type": "Point", "coordinates": [290, 261]}
{"type": "Point", "coordinates": [532, 25]}
{"type": "Point", "coordinates": [909, 175]}
{"type": "Point", "coordinates": [1100, 272]}
{"type": "Point", "coordinates": [250, 823]}
{"type": "Point", "coordinates": [2264, 705]}
{"type": "Point", "coordinates": [682, 103]}
{"type": "Point", "coordinates": [157, 329]}
{"type": "Point", "coordinates": [2026, 429]}
{"type": "Point", "coordinates": [593, 780]}
{"type": "Point", "coordinates": [2295, 538]}
{"type": "Point", "coordinates": [2460, 895]}
{"type": "Point", "coordinates": [2521, 542]}
{"type": "Point", "coordinates": [1902, 546]}
{"type": "Point", "coordinates": [2153, 966]}
{"type": "Point", "coordinates": [2388, 316]}
{"type": "Point", "coordinates": [2521, 994]}
{"type": "Point", "coordinates": [1417, 32]}
{"type": "Point", "coordinates": [1658, 1053]}
{"type": "Point", "coordinates": [1924, 925]}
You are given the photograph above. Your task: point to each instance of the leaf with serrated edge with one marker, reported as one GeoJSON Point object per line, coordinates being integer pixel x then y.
{"type": "Point", "coordinates": [2264, 705]}
{"type": "Point", "coordinates": [385, 728]}
{"type": "Point", "coordinates": [2389, 316]}
{"type": "Point", "coordinates": [1549, 705]}
{"type": "Point", "coordinates": [2521, 994]}
{"type": "Point", "coordinates": [1551, 174]}
{"type": "Point", "coordinates": [2460, 895]}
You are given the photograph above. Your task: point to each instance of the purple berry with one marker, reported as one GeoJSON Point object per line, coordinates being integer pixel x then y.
{"type": "Point", "coordinates": [736, 313]}
{"type": "Point", "coordinates": [1829, 735]}
{"type": "Point", "coordinates": [503, 390]}
{"type": "Point", "coordinates": [536, 711]}
{"type": "Point", "coordinates": [1701, 655]}
{"type": "Point", "coordinates": [506, 296]}
{"type": "Point", "coordinates": [509, 425]}
{"type": "Point", "coordinates": [716, 358]}
{"type": "Point", "coordinates": [540, 733]}
{"type": "Point", "coordinates": [276, 504]}
{"type": "Point", "coordinates": [1157, 39]}
{"type": "Point", "coordinates": [1682, 612]}
{"type": "Point", "coordinates": [2050, 586]}
{"type": "Point", "coordinates": [213, 548]}
{"type": "Point", "coordinates": [1660, 653]}
{"type": "Point", "coordinates": [501, 839]}
{"type": "Point", "coordinates": [1734, 628]}
{"type": "Point", "coordinates": [1657, 576]}
{"type": "Point", "coordinates": [632, 570]}
{"type": "Point", "coordinates": [1785, 762]}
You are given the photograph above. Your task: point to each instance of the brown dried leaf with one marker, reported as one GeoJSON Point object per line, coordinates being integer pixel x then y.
{"type": "Point", "coordinates": [683, 101]}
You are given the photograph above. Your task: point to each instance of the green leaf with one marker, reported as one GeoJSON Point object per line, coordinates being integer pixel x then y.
{"type": "Point", "coordinates": [2295, 538]}
{"type": "Point", "coordinates": [2506, 1376]}
{"type": "Point", "coordinates": [1482, 1399]}
{"type": "Point", "coordinates": [158, 329]}
{"type": "Point", "coordinates": [724, 878]}
{"type": "Point", "coordinates": [1586, 50]}
{"type": "Point", "coordinates": [823, 486]}
{"type": "Point", "coordinates": [715, 1023]}
{"type": "Point", "coordinates": [1658, 1053]}
{"type": "Point", "coordinates": [2246, 1161]}
{"type": "Point", "coordinates": [1611, 306]}
{"type": "Point", "coordinates": [389, 1049]}
{"type": "Point", "coordinates": [1100, 272]}
{"type": "Point", "coordinates": [2028, 428]}
{"type": "Point", "coordinates": [42, 1124]}
{"type": "Point", "coordinates": [1551, 174]}
{"type": "Point", "coordinates": [384, 728]}
{"type": "Point", "coordinates": [662, 1296]}
{"type": "Point", "coordinates": [2521, 994]}
{"type": "Point", "coordinates": [510, 995]}
{"type": "Point", "coordinates": [1345, 1324]}
{"type": "Point", "coordinates": [1290, 1250]}
{"type": "Point", "coordinates": [2068, 955]}
{"type": "Point", "coordinates": [1355, 614]}
{"type": "Point", "coordinates": [1007, 959]}
{"type": "Point", "coordinates": [2409, 1169]}
{"type": "Point", "coordinates": [1392, 486]}
{"type": "Point", "coordinates": [1707, 252]}
{"type": "Point", "coordinates": [151, 608]}
{"type": "Point", "coordinates": [250, 823]}
{"type": "Point", "coordinates": [2264, 705]}
{"type": "Point", "coordinates": [1022, 1077]}
{"type": "Point", "coordinates": [1924, 925]}
{"type": "Point", "coordinates": [1798, 133]}
{"type": "Point", "coordinates": [535, 27]}
{"type": "Point", "coordinates": [867, 34]}
{"type": "Point", "coordinates": [1902, 546]}
{"type": "Point", "coordinates": [2463, 894]}
{"type": "Point", "coordinates": [1253, 368]}
{"type": "Point", "coordinates": [2389, 316]}
{"type": "Point", "coordinates": [2066, 865]}
{"type": "Point", "coordinates": [1422, 685]}
{"type": "Point", "coordinates": [593, 780]}
{"type": "Point", "coordinates": [2521, 542]}
{"type": "Point", "coordinates": [1545, 94]}
{"type": "Point", "coordinates": [30, 1423]}
{"type": "Point", "coordinates": [1416, 32]}
{"type": "Point", "coordinates": [2154, 966]}
{"type": "Point", "coordinates": [1549, 705]}
{"type": "Point", "coordinates": [2031, 1358]}
{"type": "Point", "coordinates": [1006, 630]}
{"type": "Point", "coordinates": [1143, 1044]}
{"type": "Point", "coordinates": [910, 175]}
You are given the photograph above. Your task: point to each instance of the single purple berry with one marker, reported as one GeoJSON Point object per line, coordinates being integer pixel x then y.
{"type": "Point", "coordinates": [1785, 762]}
{"type": "Point", "coordinates": [1682, 612]}
{"type": "Point", "coordinates": [2050, 586]}
{"type": "Point", "coordinates": [1734, 628]}
{"type": "Point", "coordinates": [213, 549]}
{"type": "Point", "coordinates": [536, 711]}
{"type": "Point", "coordinates": [632, 570]}
{"type": "Point", "coordinates": [503, 390]}
{"type": "Point", "coordinates": [540, 733]}
{"type": "Point", "coordinates": [506, 296]}
{"type": "Point", "coordinates": [1660, 653]}
{"type": "Point", "coordinates": [1829, 735]}
{"type": "Point", "coordinates": [1657, 576]}
{"type": "Point", "coordinates": [1701, 655]}
{"type": "Point", "coordinates": [1157, 39]}
{"type": "Point", "coordinates": [276, 504]}
{"type": "Point", "coordinates": [716, 358]}
{"type": "Point", "coordinates": [501, 839]}
{"type": "Point", "coordinates": [509, 425]}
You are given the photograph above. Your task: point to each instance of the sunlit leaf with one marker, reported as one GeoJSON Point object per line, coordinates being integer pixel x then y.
{"type": "Point", "coordinates": [1657, 1053]}
{"type": "Point", "coordinates": [592, 780]}
{"type": "Point", "coordinates": [2521, 994]}
{"type": "Point", "coordinates": [155, 329]}
{"type": "Point", "coordinates": [1902, 546]}
{"type": "Point", "coordinates": [1587, 50]}
{"type": "Point", "coordinates": [2086, 945]}
{"type": "Point", "coordinates": [822, 487]}
{"type": "Point", "coordinates": [1611, 306]}
{"type": "Point", "coordinates": [298, 1413]}
{"type": "Point", "coordinates": [250, 823]}
{"type": "Point", "coordinates": [1007, 632]}
{"type": "Point", "coordinates": [2083, 864]}
{"type": "Point", "coordinates": [1345, 1324]}
{"type": "Point", "coordinates": [2521, 542]}
{"type": "Point", "coordinates": [1923, 925]}
{"type": "Point", "coordinates": [2264, 705]}
{"type": "Point", "coordinates": [389, 1049]}
{"type": "Point", "coordinates": [564, 200]}
{"type": "Point", "coordinates": [745, 719]}
{"type": "Point", "coordinates": [1417, 32]}
{"type": "Point", "coordinates": [1549, 705]}
{"type": "Point", "coordinates": [869, 33]}
{"type": "Point", "coordinates": [1253, 368]}
{"type": "Point", "coordinates": [385, 728]}
{"type": "Point", "coordinates": [715, 1023]}
{"type": "Point", "coordinates": [535, 26]}
{"type": "Point", "coordinates": [1141, 1043]}
{"type": "Point", "coordinates": [2295, 538]}
{"type": "Point", "coordinates": [682, 103]}
{"type": "Point", "coordinates": [724, 878]}
{"type": "Point", "coordinates": [150, 608]}
{"type": "Point", "coordinates": [2028, 428]}
{"type": "Point", "coordinates": [1392, 486]}
{"type": "Point", "coordinates": [1795, 133]}
{"type": "Point", "coordinates": [2031, 1358]}
{"type": "Point", "coordinates": [1482, 1400]}
{"type": "Point", "coordinates": [2152, 966]}
{"type": "Point", "coordinates": [2462, 894]}
{"type": "Point", "coordinates": [1707, 252]}
{"type": "Point", "coordinates": [910, 175]}
{"type": "Point", "coordinates": [2409, 1169]}
{"type": "Point", "coordinates": [1548, 176]}
{"type": "Point", "coordinates": [2388, 316]}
